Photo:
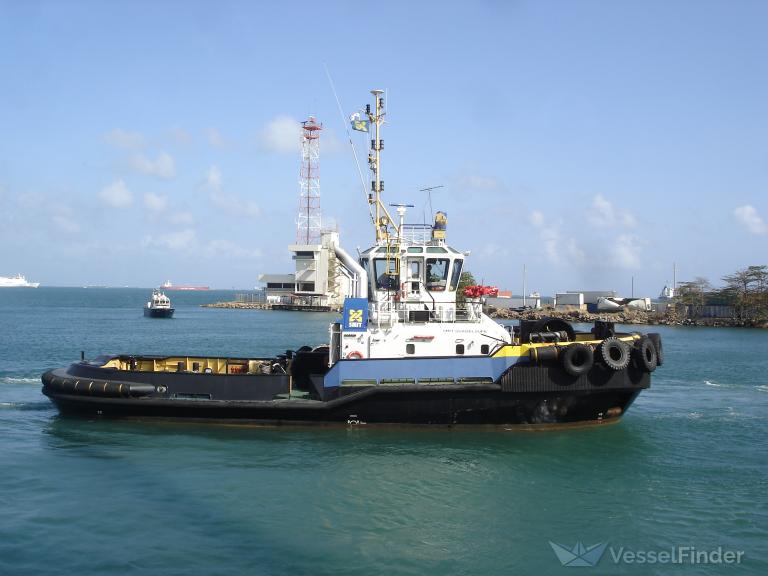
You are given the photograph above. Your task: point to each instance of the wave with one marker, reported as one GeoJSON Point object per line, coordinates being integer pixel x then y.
{"type": "Point", "coordinates": [708, 383]}
{"type": "Point", "coordinates": [762, 388]}
{"type": "Point", "coordinates": [16, 380]}
{"type": "Point", "coordinates": [44, 405]}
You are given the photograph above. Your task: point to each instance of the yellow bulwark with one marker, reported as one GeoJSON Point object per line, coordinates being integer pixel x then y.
{"type": "Point", "coordinates": [518, 350]}
{"type": "Point", "coordinates": [191, 364]}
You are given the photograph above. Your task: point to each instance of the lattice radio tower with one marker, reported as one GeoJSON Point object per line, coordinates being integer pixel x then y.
{"type": "Point", "coordinates": [308, 223]}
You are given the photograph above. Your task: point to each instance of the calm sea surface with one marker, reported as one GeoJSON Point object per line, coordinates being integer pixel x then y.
{"type": "Point", "coordinates": [687, 466]}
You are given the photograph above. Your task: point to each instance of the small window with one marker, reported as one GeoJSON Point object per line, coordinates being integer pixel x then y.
{"type": "Point", "coordinates": [437, 273]}
{"type": "Point", "coordinates": [484, 349]}
{"type": "Point", "coordinates": [459, 348]}
{"type": "Point", "coordinates": [436, 250]}
{"type": "Point", "coordinates": [415, 249]}
{"type": "Point", "coordinates": [456, 275]}
{"type": "Point", "coordinates": [414, 268]}
{"type": "Point", "coordinates": [386, 274]}
{"type": "Point", "coordinates": [410, 348]}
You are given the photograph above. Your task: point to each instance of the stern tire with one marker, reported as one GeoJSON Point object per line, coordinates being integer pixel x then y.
{"type": "Point", "coordinates": [577, 359]}
{"type": "Point", "coordinates": [655, 337]}
{"type": "Point", "coordinates": [644, 355]}
{"type": "Point", "coordinates": [614, 353]}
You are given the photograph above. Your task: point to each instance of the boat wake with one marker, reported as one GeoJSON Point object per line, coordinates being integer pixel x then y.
{"type": "Point", "coordinates": [715, 384]}
{"type": "Point", "coordinates": [26, 406]}
{"type": "Point", "coordinates": [15, 380]}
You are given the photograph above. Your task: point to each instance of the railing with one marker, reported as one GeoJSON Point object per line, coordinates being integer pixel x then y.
{"type": "Point", "coordinates": [416, 233]}
{"type": "Point", "coordinates": [388, 313]}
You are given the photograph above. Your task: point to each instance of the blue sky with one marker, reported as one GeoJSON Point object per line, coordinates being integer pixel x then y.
{"type": "Point", "coordinates": [591, 141]}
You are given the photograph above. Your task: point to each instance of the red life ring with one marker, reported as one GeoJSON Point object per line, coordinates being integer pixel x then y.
{"type": "Point", "coordinates": [354, 355]}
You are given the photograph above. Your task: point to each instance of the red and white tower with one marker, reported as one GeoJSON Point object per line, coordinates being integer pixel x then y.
{"type": "Point", "coordinates": [308, 224]}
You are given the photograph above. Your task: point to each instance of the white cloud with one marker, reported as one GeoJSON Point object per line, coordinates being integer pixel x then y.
{"type": "Point", "coordinates": [476, 182]}
{"type": "Point", "coordinates": [625, 251]}
{"type": "Point", "coordinates": [155, 202]}
{"type": "Point", "coordinates": [751, 220]}
{"type": "Point", "coordinates": [63, 220]}
{"type": "Point", "coordinates": [228, 249]}
{"type": "Point", "coordinates": [556, 248]}
{"type": "Point", "coordinates": [213, 179]}
{"type": "Point", "coordinates": [124, 139]}
{"type": "Point", "coordinates": [116, 195]}
{"type": "Point", "coordinates": [536, 219]}
{"type": "Point", "coordinates": [330, 143]}
{"type": "Point", "coordinates": [182, 218]}
{"type": "Point", "coordinates": [603, 214]}
{"type": "Point", "coordinates": [229, 202]}
{"type": "Point", "coordinates": [162, 167]}
{"type": "Point", "coordinates": [215, 139]}
{"type": "Point", "coordinates": [182, 240]}
{"type": "Point", "coordinates": [282, 134]}
{"type": "Point", "coordinates": [179, 136]}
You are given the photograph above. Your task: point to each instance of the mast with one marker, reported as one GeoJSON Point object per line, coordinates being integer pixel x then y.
{"type": "Point", "coordinates": [524, 287]}
{"type": "Point", "coordinates": [376, 118]}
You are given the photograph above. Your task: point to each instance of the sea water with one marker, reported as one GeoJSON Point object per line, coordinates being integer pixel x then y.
{"type": "Point", "coordinates": [685, 471]}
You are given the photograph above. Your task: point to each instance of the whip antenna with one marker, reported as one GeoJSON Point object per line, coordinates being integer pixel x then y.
{"type": "Point", "coordinates": [349, 137]}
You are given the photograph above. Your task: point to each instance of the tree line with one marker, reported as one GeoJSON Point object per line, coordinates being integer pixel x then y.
{"type": "Point", "coordinates": [746, 290]}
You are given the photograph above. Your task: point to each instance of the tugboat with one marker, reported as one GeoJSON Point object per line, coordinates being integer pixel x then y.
{"type": "Point", "coordinates": [158, 306]}
{"type": "Point", "coordinates": [405, 352]}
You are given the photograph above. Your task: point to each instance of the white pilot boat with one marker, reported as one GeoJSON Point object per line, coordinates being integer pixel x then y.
{"type": "Point", "coordinates": [158, 306]}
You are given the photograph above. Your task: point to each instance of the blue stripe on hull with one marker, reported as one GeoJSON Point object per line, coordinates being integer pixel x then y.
{"type": "Point", "coordinates": [418, 368]}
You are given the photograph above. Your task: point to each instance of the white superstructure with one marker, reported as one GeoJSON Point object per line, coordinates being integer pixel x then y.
{"type": "Point", "coordinates": [410, 280]}
{"type": "Point", "coordinates": [159, 301]}
{"type": "Point", "coordinates": [17, 281]}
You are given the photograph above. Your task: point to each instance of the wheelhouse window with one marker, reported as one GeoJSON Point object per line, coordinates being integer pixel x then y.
{"type": "Point", "coordinates": [456, 275]}
{"type": "Point", "coordinates": [386, 273]}
{"type": "Point", "coordinates": [437, 273]}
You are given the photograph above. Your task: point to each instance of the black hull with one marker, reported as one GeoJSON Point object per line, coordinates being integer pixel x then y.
{"type": "Point", "coordinates": [528, 397]}
{"type": "Point", "coordinates": [158, 312]}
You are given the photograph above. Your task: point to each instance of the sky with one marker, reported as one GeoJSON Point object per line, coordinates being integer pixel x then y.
{"type": "Point", "coordinates": [596, 143]}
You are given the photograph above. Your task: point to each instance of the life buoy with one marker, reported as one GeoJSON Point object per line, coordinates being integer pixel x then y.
{"type": "Point", "coordinates": [644, 355]}
{"type": "Point", "coordinates": [614, 353]}
{"type": "Point", "coordinates": [354, 355]}
{"type": "Point", "coordinates": [655, 337]}
{"type": "Point", "coordinates": [577, 359]}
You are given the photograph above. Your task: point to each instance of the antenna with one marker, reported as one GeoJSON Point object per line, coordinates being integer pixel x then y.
{"type": "Point", "coordinates": [376, 116]}
{"type": "Point", "coordinates": [349, 138]}
{"type": "Point", "coordinates": [429, 198]}
{"type": "Point", "coordinates": [308, 224]}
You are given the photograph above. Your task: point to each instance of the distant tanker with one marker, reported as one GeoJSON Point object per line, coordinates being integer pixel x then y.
{"type": "Point", "coordinates": [168, 286]}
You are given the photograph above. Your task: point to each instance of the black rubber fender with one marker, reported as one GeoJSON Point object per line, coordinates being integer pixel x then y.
{"type": "Point", "coordinates": [614, 353]}
{"type": "Point", "coordinates": [543, 354]}
{"type": "Point", "coordinates": [554, 325]}
{"type": "Point", "coordinates": [655, 337]}
{"type": "Point", "coordinates": [644, 354]}
{"type": "Point", "coordinates": [577, 359]}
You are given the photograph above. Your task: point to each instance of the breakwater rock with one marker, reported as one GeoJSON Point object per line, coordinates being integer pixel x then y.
{"type": "Point", "coordinates": [669, 318]}
{"type": "Point", "coordinates": [239, 305]}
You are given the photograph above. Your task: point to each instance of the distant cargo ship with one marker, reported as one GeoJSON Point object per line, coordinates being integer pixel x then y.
{"type": "Point", "coordinates": [169, 286]}
{"type": "Point", "coordinates": [17, 281]}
